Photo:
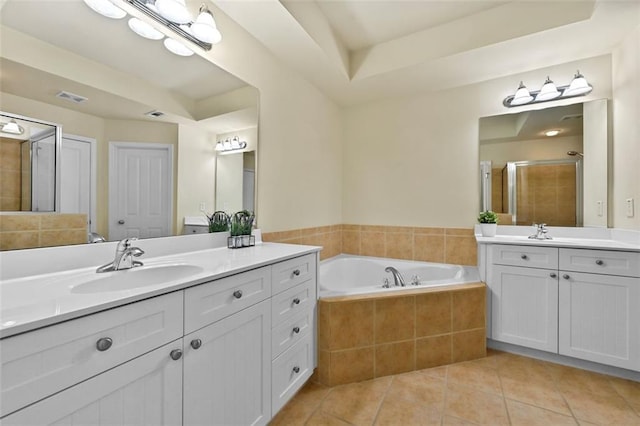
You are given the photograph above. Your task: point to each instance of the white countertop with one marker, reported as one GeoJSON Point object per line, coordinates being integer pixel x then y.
{"type": "Point", "coordinates": [31, 302]}
{"type": "Point", "coordinates": [587, 238]}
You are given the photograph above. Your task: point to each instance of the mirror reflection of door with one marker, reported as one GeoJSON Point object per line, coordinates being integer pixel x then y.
{"type": "Point", "coordinates": [140, 190]}
{"type": "Point", "coordinates": [77, 189]}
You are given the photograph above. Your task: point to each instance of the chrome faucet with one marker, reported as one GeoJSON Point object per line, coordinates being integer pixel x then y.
{"type": "Point", "coordinates": [541, 232]}
{"type": "Point", "coordinates": [398, 279]}
{"type": "Point", "coordinates": [124, 257]}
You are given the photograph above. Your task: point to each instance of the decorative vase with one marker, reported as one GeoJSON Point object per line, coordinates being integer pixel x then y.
{"type": "Point", "coordinates": [488, 229]}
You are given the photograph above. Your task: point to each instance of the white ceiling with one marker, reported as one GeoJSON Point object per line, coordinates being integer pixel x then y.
{"type": "Point", "coordinates": [356, 51]}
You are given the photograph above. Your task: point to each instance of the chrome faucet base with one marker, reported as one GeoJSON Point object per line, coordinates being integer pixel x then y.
{"type": "Point", "coordinates": [398, 279]}
{"type": "Point", "coordinates": [541, 232]}
{"type": "Point", "coordinates": [124, 257]}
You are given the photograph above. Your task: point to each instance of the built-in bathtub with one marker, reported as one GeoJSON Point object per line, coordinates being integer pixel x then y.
{"type": "Point", "coordinates": [366, 330]}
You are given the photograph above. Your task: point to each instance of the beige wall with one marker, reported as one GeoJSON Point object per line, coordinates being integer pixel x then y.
{"type": "Point", "coordinates": [414, 161]}
{"type": "Point", "coordinates": [626, 131]}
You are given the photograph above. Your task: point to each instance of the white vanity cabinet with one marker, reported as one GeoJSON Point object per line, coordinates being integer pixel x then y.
{"type": "Point", "coordinates": [583, 303]}
{"type": "Point", "coordinates": [599, 316]}
{"type": "Point", "coordinates": [524, 295]}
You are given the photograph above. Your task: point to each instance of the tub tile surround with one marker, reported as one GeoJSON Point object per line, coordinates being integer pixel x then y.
{"type": "Point", "coordinates": [31, 230]}
{"type": "Point", "coordinates": [365, 337]}
{"type": "Point", "coordinates": [500, 388]}
{"type": "Point", "coordinates": [440, 245]}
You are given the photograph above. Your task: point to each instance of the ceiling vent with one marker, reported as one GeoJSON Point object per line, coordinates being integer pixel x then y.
{"type": "Point", "coordinates": [71, 97]}
{"type": "Point", "coordinates": [571, 117]}
{"type": "Point", "coordinates": [155, 114]}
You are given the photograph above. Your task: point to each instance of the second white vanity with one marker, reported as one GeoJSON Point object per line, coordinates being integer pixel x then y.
{"type": "Point", "coordinates": [571, 296]}
{"type": "Point", "coordinates": [228, 345]}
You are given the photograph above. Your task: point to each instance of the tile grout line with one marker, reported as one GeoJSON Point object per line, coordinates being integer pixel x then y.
{"type": "Point", "coordinates": [557, 388]}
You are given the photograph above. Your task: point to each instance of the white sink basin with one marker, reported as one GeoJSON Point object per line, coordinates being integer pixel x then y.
{"type": "Point", "coordinates": [143, 276]}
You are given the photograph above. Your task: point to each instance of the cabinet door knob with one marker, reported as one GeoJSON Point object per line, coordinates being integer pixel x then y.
{"type": "Point", "coordinates": [599, 262]}
{"type": "Point", "coordinates": [296, 330]}
{"type": "Point", "coordinates": [524, 257]}
{"type": "Point", "coordinates": [296, 272]}
{"type": "Point", "coordinates": [196, 343]}
{"type": "Point", "coordinates": [566, 276]}
{"type": "Point", "coordinates": [553, 275]}
{"type": "Point", "coordinates": [104, 343]}
{"type": "Point", "coordinates": [237, 294]}
{"type": "Point", "coordinates": [121, 222]}
{"type": "Point", "coordinates": [296, 369]}
{"type": "Point", "coordinates": [176, 354]}
{"type": "Point", "coordinates": [296, 301]}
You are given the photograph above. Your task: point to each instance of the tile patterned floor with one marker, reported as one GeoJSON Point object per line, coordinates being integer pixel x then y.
{"type": "Point", "coordinates": [501, 389]}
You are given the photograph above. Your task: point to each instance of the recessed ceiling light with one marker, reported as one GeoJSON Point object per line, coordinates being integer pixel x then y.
{"type": "Point", "coordinates": [552, 132]}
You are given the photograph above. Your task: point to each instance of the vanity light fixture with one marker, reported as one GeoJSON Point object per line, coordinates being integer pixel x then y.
{"type": "Point", "coordinates": [233, 144]}
{"type": "Point", "coordinates": [172, 14]}
{"type": "Point", "coordinates": [11, 127]}
{"type": "Point", "coordinates": [549, 92]}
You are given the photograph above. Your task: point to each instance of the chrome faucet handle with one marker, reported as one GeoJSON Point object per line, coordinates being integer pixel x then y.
{"type": "Point", "coordinates": [385, 283]}
{"type": "Point", "coordinates": [126, 243]}
{"type": "Point", "coordinates": [415, 279]}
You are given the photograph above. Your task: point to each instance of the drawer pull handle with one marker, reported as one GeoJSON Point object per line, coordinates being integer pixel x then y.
{"type": "Point", "coordinates": [524, 257]}
{"type": "Point", "coordinates": [176, 354]}
{"type": "Point", "coordinates": [196, 343]}
{"type": "Point", "coordinates": [566, 276]}
{"type": "Point", "coordinates": [296, 301]}
{"type": "Point", "coordinates": [104, 343]}
{"type": "Point", "coordinates": [296, 272]}
{"type": "Point", "coordinates": [296, 330]}
{"type": "Point", "coordinates": [237, 294]}
{"type": "Point", "coordinates": [296, 369]}
{"type": "Point", "coordinates": [553, 275]}
{"type": "Point", "coordinates": [599, 262]}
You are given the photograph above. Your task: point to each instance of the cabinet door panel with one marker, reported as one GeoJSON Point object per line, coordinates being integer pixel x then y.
{"type": "Point", "coordinates": [525, 306]}
{"type": "Point", "coordinates": [227, 379]}
{"type": "Point", "coordinates": [144, 391]}
{"type": "Point", "coordinates": [599, 318]}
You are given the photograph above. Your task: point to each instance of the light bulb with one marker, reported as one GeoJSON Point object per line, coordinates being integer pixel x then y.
{"type": "Point", "coordinates": [176, 47]}
{"type": "Point", "coordinates": [144, 30]}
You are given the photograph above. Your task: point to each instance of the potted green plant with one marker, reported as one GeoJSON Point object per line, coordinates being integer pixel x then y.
{"type": "Point", "coordinates": [218, 222]}
{"type": "Point", "coordinates": [241, 226]}
{"type": "Point", "coordinates": [488, 223]}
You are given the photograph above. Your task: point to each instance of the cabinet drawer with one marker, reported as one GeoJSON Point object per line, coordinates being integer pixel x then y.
{"type": "Point", "coordinates": [210, 302]}
{"type": "Point", "coordinates": [290, 371]}
{"type": "Point", "coordinates": [601, 262]}
{"type": "Point", "coordinates": [42, 362]}
{"type": "Point", "coordinates": [287, 334]}
{"type": "Point", "coordinates": [293, 301]}
{"type": "Point", "coordinates": [292, 272]}
{"type": "Point", "coordinates": [527, 256]}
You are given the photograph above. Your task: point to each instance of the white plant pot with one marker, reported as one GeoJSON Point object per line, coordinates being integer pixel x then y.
{"type": "Point", "coordinates": [488, 229]}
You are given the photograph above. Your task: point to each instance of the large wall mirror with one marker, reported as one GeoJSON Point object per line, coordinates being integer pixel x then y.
{"type": "Point", "coordinates": [138, 124]}
{"type": "Point", "coordinates": [546, 166]}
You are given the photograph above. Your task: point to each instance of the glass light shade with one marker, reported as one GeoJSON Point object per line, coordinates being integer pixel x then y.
{"type": "Point", "coordinates": [549, 91]}
{"type": "Point", "coordinates": [204, 28]}
{"type": "Point", "coordinates": [12, 127]}
{"type": "Point", "coordinates": [106, 8]}
{"type": "Point", "coordinates": [522, 96]}
{"type": "Point", "coordinates": [144, 30]}
{"type": "Point", "coordinates": [578, 86]}
{"type": "Point", "coordinates": [176, 47]}
{"type": "Point", "coordinates": [174, 10]}
{"type": "Point", "coordinates": [219, 146]}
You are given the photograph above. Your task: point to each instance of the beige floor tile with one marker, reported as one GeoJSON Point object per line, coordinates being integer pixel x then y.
{"type": "Point", "coordinates": [475, 406]}
{"type": "Point", "coordinates": [541, 394]}
{"type": "Point", "coordinates": [418, 388]}
{"type": "Point", "coordinates": [523, 369]}
{"type": "Point", "coordinates": [440, 372]}
{"type": "Point", "coordinates": [400, 412]}
{"type": "Point", "coordinates": [524, 414]}
{"type": "Point", "coordinates": [323, 419]}
{"type": "Point", "coordinates": [356, 403]}
{"type": "Point", "coordinates": [454, 421]}
{"type": "Point", "coordinates": [609, 409]}
{"type": "Point", "coordinates": [312, 393]}
{"type": "Point", "coordinates": [629, 390]}
{"type": "Point", "coordinates": [474, 376]}
{"type": "Point", "coordinates": [569, 378]}
{"type": "Point", "coordinates": [293, 414]}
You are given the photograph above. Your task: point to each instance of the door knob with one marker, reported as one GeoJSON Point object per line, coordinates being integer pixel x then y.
{"type": "Point", "coordinates": [296, 330]}
{"type": "Point", "coordinates": [553, 275]}
{"type": "Point", "coordinates": [121, 222]}
{"type": "Point", "coordinates": [566, 276]}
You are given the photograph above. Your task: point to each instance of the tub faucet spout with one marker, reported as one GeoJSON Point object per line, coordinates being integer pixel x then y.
{"type": "Point", "coordinates": [398, 279]}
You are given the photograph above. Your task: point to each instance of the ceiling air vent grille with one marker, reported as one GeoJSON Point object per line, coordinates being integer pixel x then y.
{"type": "Point", "coordinates": [71, 97]}
{"type": "Point", "coordinates": [571, 117]}
{"type": "Point", "coordinates": [155, 114]}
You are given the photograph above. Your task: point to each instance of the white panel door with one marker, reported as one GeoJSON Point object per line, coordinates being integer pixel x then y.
{"type": "Point", "coordinates": [599, 318]}
{"type": "Point", "coordinates": [227, 380]}
{"type": "Point", "coordinates": [525, 306]}
{"type": "Point", "coordinates": [140, 190]}
{"type": "Point", "coordinates": [76, 177]}
{"type": "Point", "coordinates": [144, 391]}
